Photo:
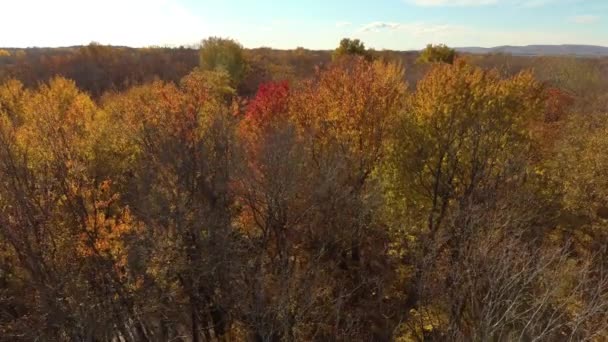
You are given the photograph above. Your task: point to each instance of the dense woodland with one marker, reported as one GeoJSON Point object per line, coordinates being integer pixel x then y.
{"type": "Point", "coordinates": [226, 194]}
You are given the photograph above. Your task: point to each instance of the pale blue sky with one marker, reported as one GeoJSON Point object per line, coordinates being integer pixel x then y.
{"type": "Point", "coordinates": [315, 24]}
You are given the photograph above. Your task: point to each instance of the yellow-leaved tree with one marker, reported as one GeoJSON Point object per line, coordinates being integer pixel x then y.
{"type": "Point", "coordinates": [66, 226]}
{"type": "Point", "coordinates": [459, 144]}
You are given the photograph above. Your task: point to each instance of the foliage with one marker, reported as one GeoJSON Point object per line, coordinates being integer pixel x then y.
{"type": "Point", "coordinates": [223, 54]}
{"type": "Point", "coordinates": [437, 54]}
{"type": "Point", "coordinates": [271, 98]}
{"type": "Point", "coordinates": [351, 47]}
{"type": "Point", "coordinates": [307, 199]}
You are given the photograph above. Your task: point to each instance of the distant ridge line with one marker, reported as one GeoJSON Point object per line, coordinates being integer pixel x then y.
{"type": "Point", "coordinates": [541, 50]}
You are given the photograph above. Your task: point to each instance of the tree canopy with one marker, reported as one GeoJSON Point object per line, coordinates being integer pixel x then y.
{"type": "Point", "coordinates": [351, 47]}
{"type": "Point", "coordinates": [437, 54]}
{"type": "Point", "coordinates": [341, 200]}
{"type": "Point", "coordinates": [223, 54]}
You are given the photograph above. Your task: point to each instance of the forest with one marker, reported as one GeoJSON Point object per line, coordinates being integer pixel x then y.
{"type": "Point", "coordinates": [218, 193]}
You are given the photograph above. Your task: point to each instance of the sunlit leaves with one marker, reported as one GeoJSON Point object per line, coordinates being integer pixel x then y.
{"type": "Point", "coordinates": [271, 99]}
{"type": "Point", "coordinates": [464, 128]}
{"type": "Point", "coordinates": [59, 121]}
{"type": "Point", "coordinates": [267, 111]}
{"type": "Point", "coordinates": [351, 108]}
{"type": "Point", "coordinates": [12, 99]}
{"type": "Point", "coordinates": [342, 207]}
{"type": "Point", "coordinates": [577, 170]}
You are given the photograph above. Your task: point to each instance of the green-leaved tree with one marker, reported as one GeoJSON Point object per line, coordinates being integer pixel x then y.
{"type": "Point", "coordinates": [351, 47]}
{"type": "Point", "coordinates": [223, 54]}
{"type": "Point", "coordinates": [439, 53]}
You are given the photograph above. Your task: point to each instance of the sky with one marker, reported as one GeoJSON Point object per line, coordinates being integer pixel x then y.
{"type": "Point", "coordinates": [313, 24]}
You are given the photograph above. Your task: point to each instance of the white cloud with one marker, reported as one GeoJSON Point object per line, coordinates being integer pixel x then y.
{"type": "Point", "coordinates": [415, 29]}
{"type": "Point", "coordinates": [120, 22]}
{"type": "Point", "coordinates": [585, 19]}
{"type": "Point", "coordinates": [406, 36]}
{"type": "Point", "coordinates": [341, 24]}
{"type": "Point", "coordinates": [377, 26]}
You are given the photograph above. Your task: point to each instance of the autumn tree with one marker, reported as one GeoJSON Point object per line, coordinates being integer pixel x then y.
{"type": "Point", "coordinates": [437, 54]}
{"type": "Point", "coordinates": [558, 103]}
{"type": "Point", "coordinates": [12, 100]}
{"type": "Point", "coordinates": [273, 189]}
{"type": "Point", "coordinates": [313, 200]}
{"type": "Point", "coordinates": [180, 186]}
{"type": "Point", "coordinates": [344, 119]}
{"type": "Point", "coordinates": [66, 229]}
{"type": "Point", "coordinates": [307, 205]}
{"type": "Point", "coordinates": [461, 139]}
{"type": "Point", "coordinates": [575, 169]}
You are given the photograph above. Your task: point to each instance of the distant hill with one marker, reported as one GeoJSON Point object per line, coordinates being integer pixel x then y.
{"type": "Point", "coordinates": [542, 50]}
